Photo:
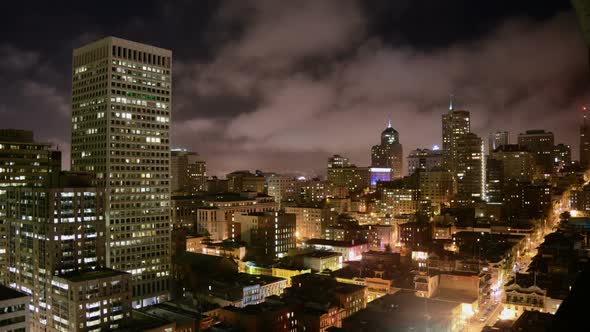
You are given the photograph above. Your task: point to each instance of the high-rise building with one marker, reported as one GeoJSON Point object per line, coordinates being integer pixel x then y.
{"type": "Point", "coordinates": [470, 171]}
{"type": "Point", "coordinates": [188, 172]}
{"type": "Point", "coordinates": [497, 139]}
{"type": "Point", "coordinates": [121, 104]}
{"type": "Point", "coordinates": [388, 154]}
{"type": "Point", "coordinates": [494, 179]}
{"type": "Point", "coordinates": [283, 188]}
{"type": "Point", "coordinates": [425, 159]}
{"type": "Point", "coordinates": [585, 140]}
{"type": "Point", "coordinates": [562, 155]}
{"type": "Point", "coordinates": [56, 232]}
{"type": "Point", "coordinates": [239, 181]}
{"type": "Point", "coordinates": [518, 163]}
{"type": "Point", "coordinates": [541, 143]}
{"type": "Point", "coordinates": [270, 234]}
{"type": "Point", "coordinates": [23, 163]}
{"type": "Point", "coordinates": [436, 185]}
{"type": "Point", "coordinates": [455, 124]}
{"type": "Point", "coordinates": [352, 177]}
{"type": "Point", "coordinates": [312, 219]}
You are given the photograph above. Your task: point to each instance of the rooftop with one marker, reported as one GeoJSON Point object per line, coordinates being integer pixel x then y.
{"type": "Point", "coordinates": [322, 254]}
{"type": "Point", "coordinates": [99, 273]}
{"type": "Point", "coordinates": [403, 311]}
{"type": "Point", "coordinates": [335, 243]}
{"type": "Point", "coordinates": [9, 293]}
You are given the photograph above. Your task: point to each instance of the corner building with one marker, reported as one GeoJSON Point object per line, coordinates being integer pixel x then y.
{"type": "Point", "coordinates": [121, 104]}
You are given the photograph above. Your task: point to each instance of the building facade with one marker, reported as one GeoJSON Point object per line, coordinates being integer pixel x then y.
{"type": "Point", "coordinates": [424, 159]}
{"type": "Point", "coordinates": [470, 167]}
{"type": "Point", "coordinates": [272, 234]}
{"type": "Point", "coordinates": [121, 105]}
{"type": "Point", "coordinates": [497, 139]}
{"type": "Point", "coordinates": [188, 172]}
{"type": "Point", "coordinates": [389, 153]}
{"type": "Point", "coordinates": [455, 124]}
{"type": "Point", "coordinates": [23, 163]}
{"type": "Point", "coordinates": [541, 143]}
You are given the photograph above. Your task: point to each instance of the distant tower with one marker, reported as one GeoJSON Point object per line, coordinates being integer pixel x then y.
{"type": "Point", "coordinates": [497, 139]}
{"type": "Point", "coordinates": [455, 124]}
{"type": "Point", "coordinates": [388, 154]}
{"type": "Point", "coordinates": [585, 139]}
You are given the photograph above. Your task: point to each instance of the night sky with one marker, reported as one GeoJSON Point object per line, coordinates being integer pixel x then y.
{"type": "Point", "coordinates": [281, 85]}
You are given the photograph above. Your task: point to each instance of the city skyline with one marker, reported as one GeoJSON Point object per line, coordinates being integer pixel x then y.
{"type": "Point", "coordinates": [369, 61]}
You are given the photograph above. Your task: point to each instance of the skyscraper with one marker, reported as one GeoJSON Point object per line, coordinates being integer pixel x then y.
{"type": "Point", "coordinates": [425, 159]}
{"type": "Point", "coordinates": [388, 154]}
{"type": "Point", "coordinates": [121, 104]}
{"type": "Point", "coordinates": [497, 139]}
{"type": "Point", "coordinates": [541, 143]}
{"type": "Point", "coordinates": [23, 163]}
{"type": "Point", "coordinates": [56, 236]}
{"type": "Point", "coordinates": [455, 124]}
{"type": "Point", "coordinates": [471, 172]}
{"type": "Point", "coordinates": [585, 140]}
{"type": "Point", "coordinates": [188, 172]}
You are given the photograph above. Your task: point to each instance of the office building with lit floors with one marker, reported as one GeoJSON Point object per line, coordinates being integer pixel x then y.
{"type": "Point", "coordinates": [188, 172]}
{"type": "Point", "coordinates": [269, 234]}
{"type": "Point", "coordinates": [455, 124]}
{"type": "Point", "coordinates": [470, 167]}
{"type": "Point", "coordinates": [541, 143]}
{"type": "Point", "coordinates": [14, 316]}
{"type": "Point", "coordinates": [54, 233]}
{"type": "Point", "coordinates": [23, 163]}
{"type": "Point", "coordinates": [121, 105]}
{"type": "Point", "coordinates": [389, 153]}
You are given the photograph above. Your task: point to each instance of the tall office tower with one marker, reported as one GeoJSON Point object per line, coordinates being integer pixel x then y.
{"type": "Point", "coordinates": [121, 102]}
{"type": "Point", "coordinates": [562, 155]}
{"type": "Point", "coordinates": [498, 139]}
{"type": "Point", "coordinates": [188, 173]}
{"type": "Point", "coordinates": [455, 124]}
{"type": "Point", "coordinates": [436, 185]}
{"type": "Point", "coordinates": [518, 163]}
{"type": "Point", "coordinates": [389, 154]}
{"type": "Point", "coordinates": [56, 232]}
{"type": "Point", "coordinates": [541, 143]}
{"type": "Point", "coordinates": [424, 159]}
{"type": "Point", "coordinates": [494, 179]}
{"type": "Point", "coordinates": [471, 170]}
{"type": "Point", "coordinates": [23, 163]}
{"type": "Point", "coordinates": [585, 140]}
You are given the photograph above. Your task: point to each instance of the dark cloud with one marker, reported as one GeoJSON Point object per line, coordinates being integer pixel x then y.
{"type": "Point", "coordinates": [280, 85]}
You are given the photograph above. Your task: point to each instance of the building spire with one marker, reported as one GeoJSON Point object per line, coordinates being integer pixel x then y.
{"type": "Point", "coordinates": [389, 123]}
{"type": "Point", "coordinates": [451, 103]}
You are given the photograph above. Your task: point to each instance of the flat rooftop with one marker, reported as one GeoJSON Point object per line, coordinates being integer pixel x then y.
{"type": "Point", "coordinates": [321, 254]}
{"type": "Point", "coordinates": [334, 243]}
{"type": "Point", "coordinates": [7, 293]}
{"type": "Point", "coordinates": [77, 276]}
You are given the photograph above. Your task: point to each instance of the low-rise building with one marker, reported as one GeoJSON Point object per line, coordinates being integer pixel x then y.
{"type": "Point", "coordinates": [350, 250]}
{"type": "Point", "coordinates": [319, 261]}
{"type": "Point", "coordinates": [268, 316]}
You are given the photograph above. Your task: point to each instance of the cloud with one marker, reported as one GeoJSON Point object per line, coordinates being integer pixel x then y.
{"type": "Point", "coordinates": [525, 74]}
{"type": "Point", "coordinates": [15, 60]}
{"type": "Point", "coordinates": [46, 96]}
